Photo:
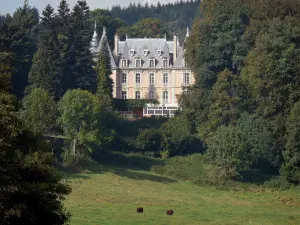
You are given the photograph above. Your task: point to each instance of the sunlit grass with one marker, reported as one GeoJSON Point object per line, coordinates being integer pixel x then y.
{"type": "Point", "coordinates": [111, 195]}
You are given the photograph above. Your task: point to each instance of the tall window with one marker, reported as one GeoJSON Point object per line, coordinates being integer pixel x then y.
{"type": "Point", "coordinates": [165, 62]}
{"type": "Point", "coordinates": [152, 63]}
{"type": "Point", "coordinates": [151, 95]}
{"type": "Point", "coordinates": [165, 96]}
{"type": "Point", "coordinates": [151, 78]}
{"type": "Point", "coordinates": [124, 63]}
{"type": "Point", "coordinates": [137, 78]}
{"type": "Point", "coordinates": [124, 78]}
{"type": "Point", "coordinates": [137, 95]}
{"type": "Point", "coordinates": [165, 79]}
{"type": "Point", "coordinates": [124, 94]}
{"type": "Point", "coordinates": [186, 78]}
{"type": "Point", "coordinates": [138, 63]}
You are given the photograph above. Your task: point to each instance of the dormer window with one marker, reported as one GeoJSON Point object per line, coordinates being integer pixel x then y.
{"type": "Point", "coordinates": [138, 62]}
{"type": "Point", "coordinates": [124, 62]}
{"type": "Point", "coordinates": [159, 52]}
{"type": "Point", "coordinates": [145, 51]}
{"type": "Point", "coordinates": [152, 63]}
{"type": "Point", "coordinates": [165, 62]}
{"type": "Point", "coordinates": [131, 52]}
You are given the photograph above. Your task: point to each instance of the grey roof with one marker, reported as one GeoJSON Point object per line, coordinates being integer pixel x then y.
{"type": "Point", "coordinates": [95, 47]}
{"type": "Point", "coordinates": [150, 44]}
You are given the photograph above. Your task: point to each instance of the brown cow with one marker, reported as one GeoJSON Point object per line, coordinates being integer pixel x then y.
{"type": "Point", "coordinates": [170, 212]}
{"type": "Point", "coordinates": [140, 210]}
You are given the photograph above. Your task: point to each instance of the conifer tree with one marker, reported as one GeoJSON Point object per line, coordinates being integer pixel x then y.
{"type": "Point", "coordinates": [21, 45]}
{"type": "Point", "coordinates": [80, 58]}
{"type": "Point", "coordinates": [103, 70]}
{"type": "Point", "coordinates": [47, 69]}
{"type": "Point", "coordinates": [31, 192]}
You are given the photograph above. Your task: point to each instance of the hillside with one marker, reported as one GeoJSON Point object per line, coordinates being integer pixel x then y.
{"type": "Point", "coordinates": [174, 17]}
{"type": "Point", "coordinates": [110, 195]}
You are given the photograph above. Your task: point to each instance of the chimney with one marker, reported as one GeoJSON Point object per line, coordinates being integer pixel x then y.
{"type": "Point", "coordinates": [174, 48]}
{"type": "Point", "coordinates": [116, 51]}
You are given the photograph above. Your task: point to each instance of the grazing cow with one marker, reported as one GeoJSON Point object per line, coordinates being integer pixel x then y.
{"type": "Point", "coordinates": [170, 212]}
{"type": "Point", "coordinates": [140, 210]}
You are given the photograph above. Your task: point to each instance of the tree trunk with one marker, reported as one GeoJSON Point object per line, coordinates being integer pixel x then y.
{"type": "Point", "coordinates": [74, 147]}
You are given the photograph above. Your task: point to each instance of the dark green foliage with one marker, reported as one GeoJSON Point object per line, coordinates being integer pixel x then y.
{"type": "Point", "coordinates": [39, 112]}
{"type": "Point", "coordinates": [5, 71]}
{"type": "Point", "coordinates": [79, 57]}
{"type": "Point", "coordinates": [47, 69]}
{"type": "Point", "coordinates": [173, 17]}
{"type": "Point", "coordinates": [16, 36]}
{"type": "Point", "coordinates": [30, 187]}
{"type": "Point", "coordinates": [103, 18]}
{"type": "Point", "coordinates": [291, 166]}
{"type": "Point", "coordinates": [129, 104]}
{"type": "Point", "coordinates": [147, 27]}
{"type": "Point", "coordinates": [31, 192]}
{"type": "Point", "coordinates": [103, 70]}
{"type": "Point", "coordinates": [149, 140]}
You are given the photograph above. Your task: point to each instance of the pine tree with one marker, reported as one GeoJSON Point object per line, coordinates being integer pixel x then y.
{"type": "Point", "coordinates": [21, 45]}
{"type": "Point", "coordinates": [31, 192]}
{"type": "Point", "coordinates": [80, 59]}
{"type": "Point", "coordinates": [47, 69]}
{"type": "Point", "coordinates": [63, 21]}
{"type": "Point", "coordinates": [103, 70]}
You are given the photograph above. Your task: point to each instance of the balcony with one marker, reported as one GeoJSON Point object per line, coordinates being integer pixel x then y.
{"type": "Point", "coordinates": [185, 84]}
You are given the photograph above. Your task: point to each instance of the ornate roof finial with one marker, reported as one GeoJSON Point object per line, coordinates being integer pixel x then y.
{"type": "Point", "coordinates": [126, 36]}
{"type": "Point", "coordinates": [187, 31]}
{"type": "Point", "coordinates": [104, 31]}
{"type": "Point", "coordinates": [166, 36]}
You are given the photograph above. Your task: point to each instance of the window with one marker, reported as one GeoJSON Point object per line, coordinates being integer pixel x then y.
{"type": "Point", "coordinates": [131, 52]}
{"type": "Point", "coordinates": [165, 97]}
{"type": "Point", "coordinates": [145, 52]}
{"type": "Point", "coordinates": [124, 94]}
{"type": "Point", "coordinates": [124, 63]}
{"type": "Point", "coordinates": [137, 78]}
{"type": "Point", "coordinates": [165, 81]}
{"type": "Point", "coordinates": [151, 95]}
{"type": "Point", "coordinates": [152, 62]}
{"type": "Point", "coordinates": [186, 79]}
{"type": "Point", "coordinates": [137, 95]}
{"type": "Point", "coordinates": [159, 52]}
{"type": "Point", "coordinates": [151, 78]}
{"type": "Point", "coordinates": [165, 62]}
{"type": "Point", "coordinates": [138, 63]}
{"type": "Point", "coordinates": [124, 78]}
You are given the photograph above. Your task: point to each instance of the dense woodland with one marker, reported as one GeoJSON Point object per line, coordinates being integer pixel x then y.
{"type": "Point", "coordinates": [242, 114]}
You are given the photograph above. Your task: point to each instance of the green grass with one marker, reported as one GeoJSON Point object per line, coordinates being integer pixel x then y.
{"type": "Point", "coordinates": [109, 195]}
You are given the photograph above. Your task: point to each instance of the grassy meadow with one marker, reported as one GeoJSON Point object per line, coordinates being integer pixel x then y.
{"type": "Point", "coordinates": [110, 194]}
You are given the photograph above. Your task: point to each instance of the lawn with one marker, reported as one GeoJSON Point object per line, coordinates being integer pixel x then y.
{"type": "Point", "coordinates": [110, 195]}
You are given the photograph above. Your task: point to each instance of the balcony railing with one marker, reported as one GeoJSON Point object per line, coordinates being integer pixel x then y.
{"type": "Point", "coordinates": [185, 84]}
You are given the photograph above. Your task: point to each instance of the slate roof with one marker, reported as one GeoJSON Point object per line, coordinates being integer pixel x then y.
{"type": "Point", "coordinates": [150, 44]}
{"type": "Point", "coordinates": [95, 47]}
{"type": "Point", "coordinates": [141, 44]}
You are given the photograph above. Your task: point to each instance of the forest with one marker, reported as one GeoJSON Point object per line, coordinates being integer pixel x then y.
{"type": "Point", "coordinates": [242, 115]}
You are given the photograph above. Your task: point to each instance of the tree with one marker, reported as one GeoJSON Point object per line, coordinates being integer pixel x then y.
{"type": "Point", "coordinates": [103, 70]}
{"type": "Point", "coordinates": [79, 117]}
{"type": "Point", "coordinates": [39, 112]}
{"type": "Point", "coordinates": [80, 59]}
{"type": "Point", "coordinates": [148, 27]}
{"type": "Point", "coordinates": [23, 46]}
{"type": "Point", "coordinates": [30, 188]}
{"type": "Point", "coordinates": [31, 191]}
{"type": "Point", "coordinates": [228, 94]}
{"type": "Point", "coordinates": [47, 69]}
{"type": "Point", "coordinates": [291, 168]}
